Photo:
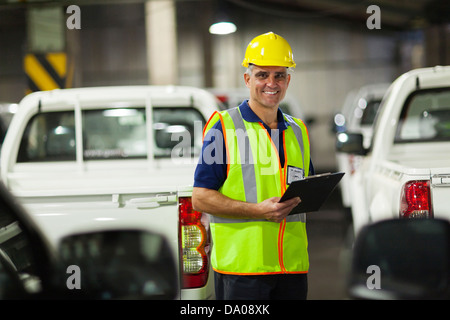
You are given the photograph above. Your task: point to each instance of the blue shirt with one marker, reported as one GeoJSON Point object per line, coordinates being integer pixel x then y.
{"type": "Point", "coordinates": [212, 175]}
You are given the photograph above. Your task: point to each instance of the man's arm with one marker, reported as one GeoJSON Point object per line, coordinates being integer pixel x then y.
{"type": "Point", "coordinates": [215, 203]}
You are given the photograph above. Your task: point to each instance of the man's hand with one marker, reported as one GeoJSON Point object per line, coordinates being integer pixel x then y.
{"type": "Point", "coordinates": [276, 211]}
{"type": "Point", "coordinates": [213, 202]}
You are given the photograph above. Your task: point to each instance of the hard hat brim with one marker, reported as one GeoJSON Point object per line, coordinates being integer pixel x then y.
{"type": "Point", "coordinates": [246, 63]}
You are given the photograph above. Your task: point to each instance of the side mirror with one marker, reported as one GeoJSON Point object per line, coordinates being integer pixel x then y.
{"type": "Point", "coordinates": [117, 264]}
{"type": "Point", "coordinates": [350, 143]}
{"type": "Point", "coordinates": [402, 259]}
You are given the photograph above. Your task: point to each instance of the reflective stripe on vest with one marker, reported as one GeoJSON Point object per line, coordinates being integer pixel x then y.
{"type": "Point", "coordinates": [280, 248]}
{"type": "Point", "coordinates": [248, 169]}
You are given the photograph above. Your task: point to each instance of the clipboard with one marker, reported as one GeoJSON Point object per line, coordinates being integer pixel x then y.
{"type": "Point", "coordinates": [313, 190]}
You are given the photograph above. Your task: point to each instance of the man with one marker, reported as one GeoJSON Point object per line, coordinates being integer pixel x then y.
{"type": "Point", "coordinates": [249, 155]}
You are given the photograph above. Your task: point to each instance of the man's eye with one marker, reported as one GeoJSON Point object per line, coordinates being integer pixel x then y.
{"type": "Point", "coordinates": [261, 75]}
{"type": "Point", "coordinates": [281, 76]}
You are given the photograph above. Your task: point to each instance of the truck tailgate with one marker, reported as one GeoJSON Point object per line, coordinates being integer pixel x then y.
{"type": "Point", "coordinates": [440, 192]}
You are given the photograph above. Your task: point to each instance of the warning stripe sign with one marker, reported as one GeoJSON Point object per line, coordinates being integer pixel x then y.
{"type": "Point", "coordinates": [46, 71]}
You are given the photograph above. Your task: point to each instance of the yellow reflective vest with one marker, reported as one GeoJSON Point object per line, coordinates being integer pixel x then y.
{"type": "Point", "coordinates": [254, 173]}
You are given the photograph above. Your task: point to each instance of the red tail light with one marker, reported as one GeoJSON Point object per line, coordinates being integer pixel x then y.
{"type": "Point", "coordinates": [416, 200]}
{"type": "Point", "coordinates": [194, 245]}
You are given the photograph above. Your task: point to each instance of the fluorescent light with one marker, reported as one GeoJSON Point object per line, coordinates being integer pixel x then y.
{"type": "Point", "coordinates": [119, 112]}
{"type": "Point", "coordinates": [222, 28]}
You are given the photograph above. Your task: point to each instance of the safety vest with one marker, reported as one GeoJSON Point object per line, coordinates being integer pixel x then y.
{"type": "Point", "coordinates": [254, 173]}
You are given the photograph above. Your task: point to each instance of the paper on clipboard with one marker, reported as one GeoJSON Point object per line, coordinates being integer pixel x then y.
{"type": "Point", "coordinates": [313, 191]}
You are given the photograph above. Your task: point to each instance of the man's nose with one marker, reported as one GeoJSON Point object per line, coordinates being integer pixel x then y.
{"type": "Point", "coordinates": [271, 80]}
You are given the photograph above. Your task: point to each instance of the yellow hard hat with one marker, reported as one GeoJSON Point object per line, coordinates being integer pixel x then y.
{"type": "Point", "coordinates": [269, 49]}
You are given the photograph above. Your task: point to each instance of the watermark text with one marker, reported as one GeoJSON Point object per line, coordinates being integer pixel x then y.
{"type": "Point", "coordinates": [374, 280]}
{"type": "Point", "coordinates": [374, 20]}
{"type": "Point", "coordinates": [74, 20]}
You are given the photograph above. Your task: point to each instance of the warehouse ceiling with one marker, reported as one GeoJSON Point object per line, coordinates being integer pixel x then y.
{"type": "Point", "coordinates": [398, 14]}
{"type": "Point", "coordinates": [402, 14]}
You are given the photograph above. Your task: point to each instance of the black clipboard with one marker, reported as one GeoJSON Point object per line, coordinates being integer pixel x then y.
{"type": "Point", "coordinates": [313, 191]}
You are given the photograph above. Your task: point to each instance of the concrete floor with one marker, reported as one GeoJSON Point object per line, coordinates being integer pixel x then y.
{"type": "Point", "coordinates": [328, 250]}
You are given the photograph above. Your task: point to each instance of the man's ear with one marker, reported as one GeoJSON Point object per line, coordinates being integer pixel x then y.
{"type": "Point", "coordinates": [247, 80]}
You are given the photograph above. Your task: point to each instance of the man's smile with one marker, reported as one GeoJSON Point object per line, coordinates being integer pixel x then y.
{"type": "Point", "coordinates": [270, 92]}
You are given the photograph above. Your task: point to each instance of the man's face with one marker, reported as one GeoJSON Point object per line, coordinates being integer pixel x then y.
{"type": "Point", "coordinates": [268, 85]}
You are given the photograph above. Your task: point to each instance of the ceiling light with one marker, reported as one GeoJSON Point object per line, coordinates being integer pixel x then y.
{"type": "Point", "coordinates": [222, 28]}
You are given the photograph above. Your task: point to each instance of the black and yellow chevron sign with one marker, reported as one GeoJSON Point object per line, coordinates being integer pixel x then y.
{"type": "Point", "coordinates": [46, 71]}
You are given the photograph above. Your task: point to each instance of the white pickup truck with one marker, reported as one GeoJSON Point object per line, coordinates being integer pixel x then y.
{"type": "Point", "coordinates": [90, 158]}
{"type": "Point", "coordinates": [406, 171]}
{"type": "Point", "coordinates": [357, 116]}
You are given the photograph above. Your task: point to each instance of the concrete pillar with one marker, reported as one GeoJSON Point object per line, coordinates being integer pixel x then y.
{"type": "Point", "coordinates": [161, 42]}
{"type": "Point", "coordinates": [45, 63]}
{"type": "Point", "coordinates": [437, 40]}
{"type": "Point", "coordinates": [203, 31]}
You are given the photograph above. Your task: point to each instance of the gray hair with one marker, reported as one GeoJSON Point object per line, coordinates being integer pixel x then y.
{"type": "Point", "coordinates": [249, 69]}
{"type": "Point", "coordinates": [251, 65]}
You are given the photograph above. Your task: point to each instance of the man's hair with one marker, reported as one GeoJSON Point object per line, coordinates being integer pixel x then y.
{"type": "Point", "coordinates": [249, 69]}
{"type": "Point", "coordinates": [251, 65]}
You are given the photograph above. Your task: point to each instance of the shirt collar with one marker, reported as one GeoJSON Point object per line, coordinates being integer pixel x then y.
{"type": "Point", "coordinates": [250, 116]}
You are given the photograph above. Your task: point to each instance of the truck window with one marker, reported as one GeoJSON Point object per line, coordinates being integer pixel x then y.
{"type": "Point", "coordinates": [115, 133]}
{"type": "Point", "coordinates": [177, 130]}
{"type": "Point", "coordinates": [370, 112]}
{"type": "Point", "coordinates": [425, 117]}
{"type": "Point", "coordinates": [49, 136]}
{"type": "Point", "coordinates": [121, 133]}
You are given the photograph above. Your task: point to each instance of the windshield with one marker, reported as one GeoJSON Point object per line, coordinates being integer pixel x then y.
{"type": "Point", "coordinates": [111, 134]}
{"type": "Point", "coordinates": [425, 117]}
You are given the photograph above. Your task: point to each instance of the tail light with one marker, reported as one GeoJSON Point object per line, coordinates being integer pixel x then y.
{"type": "Point", "coordinates": [194, 245]}
{"type": "Point", "coordinates": [354, 162]}
{"type": "Point", "coordinates": [416, 200]}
